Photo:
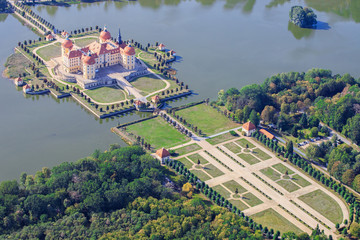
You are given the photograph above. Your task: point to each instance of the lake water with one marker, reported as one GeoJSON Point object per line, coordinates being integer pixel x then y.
{"type": "Point", "coordinates": [223, 44]}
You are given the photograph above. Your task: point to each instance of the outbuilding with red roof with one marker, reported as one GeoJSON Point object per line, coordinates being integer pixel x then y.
{"type": "Point", "coordinates": [248, 128]}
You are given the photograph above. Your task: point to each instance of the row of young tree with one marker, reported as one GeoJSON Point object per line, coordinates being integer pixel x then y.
{"type": "Point", "coordinates": [33, 17]}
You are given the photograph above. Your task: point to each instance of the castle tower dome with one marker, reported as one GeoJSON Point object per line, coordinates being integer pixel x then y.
{"type": "Point", "coordinates": [104, 35]}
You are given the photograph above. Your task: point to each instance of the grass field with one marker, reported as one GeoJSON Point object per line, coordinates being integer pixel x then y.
{"type": "Point", "coordinates": [271, 173]}
{"type": "Point", "coordinates": [250, 159]}
{"type": "Point", "coordinates": [220, 189]}
{"type": "Point", "coordinates": [187, 149]}
{"type": "Point", "coordinates": [221, 138]}
{"type": "Point", "coordinates": [232, 185]}
{"type": "Point", "coordinates": [84, 41]}
{"type": "Point", "coordinates": [213, 171]}
{"type": "Point", "coordinates": [260, 154]}
{"type": "Point", "coordinates": [239, 204]}
{"type": "Point", "coordinates": [200, 174]}
{"type": "Point", "coordinates": [288, 185]}
{"type": "Point", "coordinates": [207, 119]}
{"type": "Point", "coordinates": [323, 204]}
{"type": "Point", "coordinates": [281, 168]}
{"type": "Point", "coordinates": [272, 219]}
{"type": "Point", "coordinates": [16, 64]}
{"type": "Point", "coordinates": [158, 133]}
{"type": "Point", "coordinates": [233, 147]}
{"type": "Point", "coordinates": [49, 52]}
{"type": "Point", "coordinates": [106, 94]}
{"type": "Point", "coordinates": [250, 199]}
{"type": "Point", "coordinates": [242, 142]}
{"type": "Point", "coordinates": [148, 84]}
{"type": "Point", "coordinates": [188, 164]}
{"type": "Point", "coordinates": [195, 157]}
{"type": "Point", "coordinates": [299, 180]}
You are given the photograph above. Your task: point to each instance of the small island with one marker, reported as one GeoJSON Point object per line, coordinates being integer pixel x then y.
{"type": "Point", "coordinates": [302, 17]}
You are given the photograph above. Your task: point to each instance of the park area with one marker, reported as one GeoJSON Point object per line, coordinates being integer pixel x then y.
{"type": "Point", "coordinates": [207, 119]}
{"type": "Point", "coordinates": [106, 94]}
{"type": "Point", "coordinates": [324, 204]}
{"type": "Point", "coordinates": [148, 84]}
{"type": "Point", "coordinates": [270, 217]}
{"type": "Point", "coordinates": [158, 133]}
{"type": "Point", "coordinates": [50, 51]}
{"type": "Point", "coordinates": [82, 42]}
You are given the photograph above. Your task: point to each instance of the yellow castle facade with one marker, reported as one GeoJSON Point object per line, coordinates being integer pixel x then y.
{"type": "Point", "coordinates": [96, 55]}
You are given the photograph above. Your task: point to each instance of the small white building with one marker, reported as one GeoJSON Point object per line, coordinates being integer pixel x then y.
{"type": "Point", "coordinates": [163, 155]}
{"type": "Point", "coordinates": [248, 128]}
{"type": "Point", "coordinates": [26, 88]}
{"type": "Point", "coordinates": [50, 37]}
{"type": "Point", "coordinates": [18, 81]}
{"type": "Point", "coordinates": [161, 47]}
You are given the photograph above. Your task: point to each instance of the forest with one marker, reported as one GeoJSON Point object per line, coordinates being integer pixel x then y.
{"type": "Point", "coordinates": [122, 193]}
{"type": "Point", "coordinates": [296, 103]}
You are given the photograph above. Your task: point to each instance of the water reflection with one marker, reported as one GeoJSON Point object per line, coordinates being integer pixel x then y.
{"type": "Point", "coordinates": [275, 3]}
{"type": "Point", "coordinates": [3, 17]}
{"type": "Point", "coordinates": [299, 32]}
{"type": "Point", "coordinates": [349, 9]}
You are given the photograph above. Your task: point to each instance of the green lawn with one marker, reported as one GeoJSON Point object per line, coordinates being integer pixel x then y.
{"type": "Point", "coordinates": [187, 149]}
{"type": "Point", "coordinates": [212, 170]}
{"type": "Point", "coordinates": [260, 154]}
{"type": "Point", "coordinates": [221, 138]}
{"type": "Point", "coordinates": [288, 185]}
{"type": "Point", "coordinates": [188, 164]}
{"type": "Point", "coordinates": [250, 159]}
{"type": "Point", "coordinates": [200, 174]}
{"type": "Point", "coordinates": [281, 168]}
{"type": "Point", "coordinates": [220, 189]}
{"type": "Point", "coordinates": [239, 204]}
{"type": "Point", "coordinates": [250, 199]}
{"type": "Point", "coordinates": [15, 65]}
{"type": "Point", "coordinates": [106, 94]}
{"type": "Point", "coordinates": [232, 185]}
{"type": "Point", "coordinates": [148, 84]}
{"type": "Point", "coordinates": [272, 219]}
{"type": "Point", "coordinates": [207, 119]}
{"type": "Point", "coordinates": [195, 157]}
{"type": "Point", "coordinates": [242, 142]}
{"type": "Point", "coordinates": [299, 180]}
{"type": "Point", "coordinates": [49, 52]}
{"type": "Point", "coordinates": [158, 133]}
{"type": "Point", "coordinates": [324, 204]}
{"type": "Point", "coordinates": [82, 42]}
{"type": "Point", "coordinates": [233, 147]}
{"type": "Point", "coordinates": [271, 173]}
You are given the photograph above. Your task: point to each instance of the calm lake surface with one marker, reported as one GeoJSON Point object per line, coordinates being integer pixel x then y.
{"type": "Point", "coordinates": [223, 44]}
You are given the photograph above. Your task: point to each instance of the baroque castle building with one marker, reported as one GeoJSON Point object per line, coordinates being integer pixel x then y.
{"type": "Point", "coordinates": [96, 55]}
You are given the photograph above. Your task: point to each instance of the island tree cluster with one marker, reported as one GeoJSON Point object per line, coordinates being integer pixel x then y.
{"type": "Point", "coordinates": [302, 17]}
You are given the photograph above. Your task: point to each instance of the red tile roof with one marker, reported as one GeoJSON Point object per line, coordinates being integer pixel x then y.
{"type": "Point", "coordinates": [162, 153]}
{"type": "Point", "coordinates": [129, 50]}
{"type": "Point", "coordinates": [105, 35]}
{"type": "Point", "coordinates": [267, 134]}
{"type": "Point", "coordinates": [248, 126]}
{"type": "Point", "coordinates": [89, 60]}
{"type": "Point", "coordinates": [67, 44]}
